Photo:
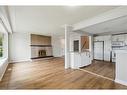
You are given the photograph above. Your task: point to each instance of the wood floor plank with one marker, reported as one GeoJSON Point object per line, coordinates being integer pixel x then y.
{"type": "Point", "coordinates": [106, 69]}
{"type": "Point", "coordinates": [50, 74]}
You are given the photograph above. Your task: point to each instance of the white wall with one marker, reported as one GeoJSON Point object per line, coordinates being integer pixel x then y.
{"type": "Point", "coordinates": [20, 50]}
{"type": "Point", "coordinates": [19, 47]}
{"type": "Point", "coordinates": [58, 46]}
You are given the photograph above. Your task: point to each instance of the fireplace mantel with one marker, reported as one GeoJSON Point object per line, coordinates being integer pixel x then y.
{"type": "Point", "coordinates": [41, 45]}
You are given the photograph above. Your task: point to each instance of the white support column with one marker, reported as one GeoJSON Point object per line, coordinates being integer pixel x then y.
{"type": "Point", "coordinates": [68, 29]}
{"type": "Point", "coordinates": [91, 39]}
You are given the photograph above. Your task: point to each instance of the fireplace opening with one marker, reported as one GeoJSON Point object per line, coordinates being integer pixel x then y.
{"type": "Point", "coordinates": [41, 53]}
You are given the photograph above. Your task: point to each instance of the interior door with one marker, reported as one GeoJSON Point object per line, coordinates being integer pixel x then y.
{"type": "Point", "coordinates": [99, 50]}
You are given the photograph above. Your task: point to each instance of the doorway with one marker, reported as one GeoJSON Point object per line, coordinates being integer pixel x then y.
{"type": "Point", "coordinates": [99, 66]}
{"type": "Point", "coordinates": [99, 50]}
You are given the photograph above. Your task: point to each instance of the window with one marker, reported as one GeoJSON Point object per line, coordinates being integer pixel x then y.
{"type": "Point", "coordinates": [1, 45]}
{"type": "Point", "coordinates": [76, 45]}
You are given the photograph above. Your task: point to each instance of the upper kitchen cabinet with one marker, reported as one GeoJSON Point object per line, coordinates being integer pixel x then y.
{"type": "Point", "coordinates": [126, 39]}
{"type": "Point", "coordinates": [118, 38]}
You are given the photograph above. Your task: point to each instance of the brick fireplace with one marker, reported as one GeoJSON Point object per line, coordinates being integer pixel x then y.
{"type": "Point", "coordinates": [40, 46]}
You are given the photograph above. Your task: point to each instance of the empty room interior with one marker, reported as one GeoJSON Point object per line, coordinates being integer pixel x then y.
{"type": "Point", "coordinates": [63, 47]}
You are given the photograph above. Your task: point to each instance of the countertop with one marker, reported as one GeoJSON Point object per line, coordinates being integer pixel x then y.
{"type": "Point", "coordinates": [120, 51]}
{"type": "Point", "coordinates": [84, 51]}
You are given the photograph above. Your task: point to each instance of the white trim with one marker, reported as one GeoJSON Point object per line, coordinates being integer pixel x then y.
{"type": "Point", "coordinates": [5, 19]}
{"type": "Point", "coordinates": [2, 26]}
{"type": "Point", "coordinates": [4, 60]}
{"type": "Point", "coordinates": [12, 16]}
{"type": "Point", "coordinates": [18, 61]}
{"type": "Point", "coordinates": [121, 82]}
{"type": "Point", "coordinates": [96, 75]}
{"type": "Point", "coordinates": [3, 72]}
{"type": "Point", "coordinates": [116, 80]}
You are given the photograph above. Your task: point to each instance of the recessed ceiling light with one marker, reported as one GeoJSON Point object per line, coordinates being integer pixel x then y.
{"type": "Point", "coordinates": [72, 5]}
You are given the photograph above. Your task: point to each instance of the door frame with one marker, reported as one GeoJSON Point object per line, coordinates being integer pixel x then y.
{"type": "Point", "coordinates": [103, 49]}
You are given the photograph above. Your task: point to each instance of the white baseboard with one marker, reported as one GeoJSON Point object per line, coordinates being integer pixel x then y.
{"type": "Point", "coordinates": [121, 82]}
{"type": "Point", "coordinates": [18, 61]}
{"type": "Point", "coordinates": [74, 67]}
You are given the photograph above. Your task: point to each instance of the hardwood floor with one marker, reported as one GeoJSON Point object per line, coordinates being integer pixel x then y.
{"type": "Point", "coordinates": [50, 74]}
{"type": "Point", "coordinates": [106, 69]}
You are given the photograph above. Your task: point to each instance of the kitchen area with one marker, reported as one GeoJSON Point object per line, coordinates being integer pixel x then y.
{"type": "Point", "coordinates": [112, 43]}
{"type": "Point", "coordinates": [119, 42]}
{"type": "Point", "coordinates": [112, 49]}
{"type": "Point", "coordinates": [100, 54]}
{"type": "Point", "coordinates": [107, 52]}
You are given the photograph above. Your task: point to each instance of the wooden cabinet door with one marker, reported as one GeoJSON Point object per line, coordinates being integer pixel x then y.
{"type": "Point", "coordinates": [84, 42]}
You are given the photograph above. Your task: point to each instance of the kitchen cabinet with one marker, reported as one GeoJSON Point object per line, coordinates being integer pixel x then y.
{"type": "Point", "coordinates": [80, 59]}
{"type": "Point", "coordinates": [85, 42]}
{"type": "Point", "coordinates": [118, 38]}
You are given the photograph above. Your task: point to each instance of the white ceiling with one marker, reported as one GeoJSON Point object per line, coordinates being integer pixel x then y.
{"type": "Point", "coordinates": [115, 26]}
{"type": "Point", "coordinates": [48, 20]}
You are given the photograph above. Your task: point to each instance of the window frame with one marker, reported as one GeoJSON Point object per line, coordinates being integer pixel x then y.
{"type": "Point", "coordinates": [1, 45]}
